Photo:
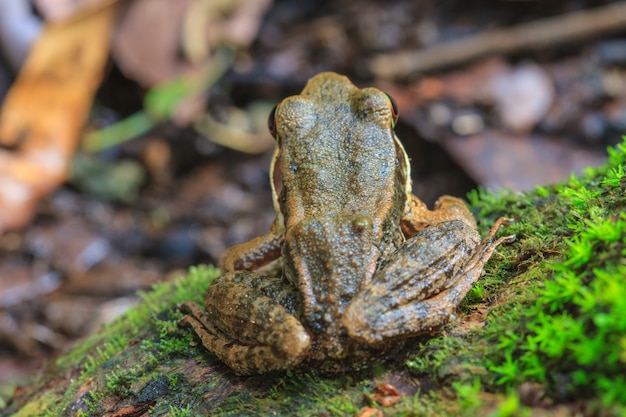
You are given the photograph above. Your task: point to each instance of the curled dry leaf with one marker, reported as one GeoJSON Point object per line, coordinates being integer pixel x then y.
{"type": "Point", "coordinates": [386, 394]}
{"type": "Point", "coordinates": [208, 23]}
{"type": "Point", "coordinates": [43, 114]}
{"type": "Point", "coordinates": [245, 131]}
{"type": "Point", "coordinates": [146, 45]}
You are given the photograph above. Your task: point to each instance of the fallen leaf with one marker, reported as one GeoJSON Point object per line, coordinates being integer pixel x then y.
{"type": "Point", "coordinates": [208, 23]}
{"type": "Point", "coordinates": [386, 394]}
{"type": "Point", "coordinates": [522, 95]}
{"type": "Point", "coordinates": [245, 131]}
{"type": "Point", "coordinates": [44, 112]}
{"type": "Point", "coordinates": [495, 160]}
{"type": "Point", "coordinates": [146, 45]}
{"type": "Point", "coordinates": [369, 412]}
{"type": "Point", "coordinates": [464, 87]}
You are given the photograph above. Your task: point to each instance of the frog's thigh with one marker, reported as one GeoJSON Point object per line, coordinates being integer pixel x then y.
{"type": "Point", "coordinates": [420, 289]}
{"type": "Point", "coordinates": [249, 331]}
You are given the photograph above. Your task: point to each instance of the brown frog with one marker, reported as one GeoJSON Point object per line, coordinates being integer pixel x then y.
{"type": "Point", "coordinates": [364, 262]}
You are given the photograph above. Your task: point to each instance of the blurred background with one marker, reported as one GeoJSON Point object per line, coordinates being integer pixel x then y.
{"type": "Point", "coordinates": [134, 142]}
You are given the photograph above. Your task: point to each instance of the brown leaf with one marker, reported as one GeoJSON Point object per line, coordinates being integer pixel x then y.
{"type": "Point", "coordinates": [146, 45]}
{"type": "Point", "coordinates": [522, 95]}
{"type": "Point", "coordinates": [495, 160]}
{"type": "Point", "coordinates": [245, 131]}
{"type": "Point", "coordinates": [369, 412]}
{"type": "Point", "coordinates": [208, 23]}
{"type": "Point", "coordinates": [45, 109]}
{"type": "Point", "coordinates": [386, 394]}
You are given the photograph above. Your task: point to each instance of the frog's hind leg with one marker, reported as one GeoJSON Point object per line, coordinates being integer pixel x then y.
{"type": "Point", "coordinates": [413, 296]}
{"type": "Point", "coordinates": [247, 327]}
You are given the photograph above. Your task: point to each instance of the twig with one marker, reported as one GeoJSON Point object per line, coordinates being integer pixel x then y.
{"type": "Point", "coordinates": [534, 35]}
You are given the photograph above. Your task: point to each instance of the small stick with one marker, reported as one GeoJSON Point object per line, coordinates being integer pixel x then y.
{"type": "Point", "coordinates": [535, 35]}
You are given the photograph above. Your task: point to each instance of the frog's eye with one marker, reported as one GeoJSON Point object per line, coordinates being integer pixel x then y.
{"type": "Point", "coordinates": [271, 121]}
{"type": "Point", "coordinates": [394, 108]}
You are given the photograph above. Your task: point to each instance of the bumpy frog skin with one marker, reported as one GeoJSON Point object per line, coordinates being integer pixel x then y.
{"type": "Point", "coordinates": [364, 262]}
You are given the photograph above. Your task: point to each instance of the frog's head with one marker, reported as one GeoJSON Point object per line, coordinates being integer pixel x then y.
{"type": "Point", "coordinates": [336, 152]}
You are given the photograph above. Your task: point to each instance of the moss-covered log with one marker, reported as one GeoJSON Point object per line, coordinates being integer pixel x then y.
{"type": "Point", "coordinates": [543, 331]}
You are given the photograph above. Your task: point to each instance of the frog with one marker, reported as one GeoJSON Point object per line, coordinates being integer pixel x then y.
{"type": "Point", "coordinates": [354, 264]}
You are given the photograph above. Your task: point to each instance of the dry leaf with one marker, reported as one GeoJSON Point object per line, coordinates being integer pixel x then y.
{"type": "Point", "coordinates": [208, 23]}
{"type": "Point", "coordinates": [369, 412]}
{"type": "Point", "coordinates": [243, 130]}
{"type": "Point", "coordinates": [495, 159]}
{"type": "Point", "coordinates": [146, 45]}
{"type": "Point", "coordinates": [44, 111]}
{"type": "Point", "coordinates": [386, 394]}
{"type": "Point", "coordinates": [522, 95]}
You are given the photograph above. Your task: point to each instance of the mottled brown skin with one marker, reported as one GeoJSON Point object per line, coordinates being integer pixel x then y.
{"type": "Point", "coordinates": [364, 262]}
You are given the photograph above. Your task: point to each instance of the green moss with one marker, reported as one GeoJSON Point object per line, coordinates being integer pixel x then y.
{"type": "Point", "coordinates": [175, 411]}
{"type": "Point", "coordinates": [307, 394]}
{"type": "Point", "coordinates": [432, 357]}
{"type": "Point", "coordinates": [105, 353]}
{"type": "Point", "coordinates": [576, 335]}
{"type": "Point", "coordinates": [572, 337]}
{"type": "Point", "coordinates": [157, 310]}
{"type": "Point", "coordinates": [38, 407]}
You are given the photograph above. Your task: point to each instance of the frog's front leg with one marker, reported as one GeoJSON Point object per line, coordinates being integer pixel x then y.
{"type": "Point", "coordinates": [255, 253]}
{"type": "Point", "coordinates": [420, 288]}
{"type": "Point", "coordinates": [250, 323]}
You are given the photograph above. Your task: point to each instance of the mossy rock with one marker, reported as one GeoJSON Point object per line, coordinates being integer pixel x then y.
{"type": "Point", "coordinates": [541, 333]}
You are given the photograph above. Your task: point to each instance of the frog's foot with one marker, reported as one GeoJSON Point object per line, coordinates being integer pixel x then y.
{"type": "Point", "coordinates": [418, 217]}
{"type": "Point", "coordinates": [248, 331]}
{"type": "Point", "coordinates": [420, 289]}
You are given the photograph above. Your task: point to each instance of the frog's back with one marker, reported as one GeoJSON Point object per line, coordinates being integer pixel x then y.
{"type": "Point", "coordinates": [341, 196]}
